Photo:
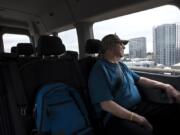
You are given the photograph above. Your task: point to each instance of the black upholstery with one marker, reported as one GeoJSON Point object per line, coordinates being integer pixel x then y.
{"type": "Point", "coordinates": [14, 50]}
{"type": "Point", "coordinates": [8, 57]}
{"type": "Point", "coordinates": [93, 46]}
{"type": "Point", "coordinates": [50, 45]}
{"type": "Point", "coordinates": [38, 73]}
{"type": "Point", "coordinates": [6, 122]}
{"type": "Point", "coordinates": [71, 54]}
{"type": "Point", "coordinates": [86, 65]}
{"type": "Point", "coordinates": [41, 72]}
{"type": "Point", "coordinates": [25, 49]}
{"type": "Point", "coordinates": [25, 52]}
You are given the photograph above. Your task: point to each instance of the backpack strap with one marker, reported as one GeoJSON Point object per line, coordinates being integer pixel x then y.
{"type": "Point", "coordinates": [76, 97]}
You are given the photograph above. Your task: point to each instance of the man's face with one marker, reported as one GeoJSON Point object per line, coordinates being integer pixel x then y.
{"type": "Point", "coordinates": [119, 50]}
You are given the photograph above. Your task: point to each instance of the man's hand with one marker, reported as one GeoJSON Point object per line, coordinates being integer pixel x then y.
{"type": "Point", "coordinates": [172, 93]}
{"type": "Point", "coordinates": [142, 121]}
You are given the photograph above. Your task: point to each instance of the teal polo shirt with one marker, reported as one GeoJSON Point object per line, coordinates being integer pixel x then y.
{"type": "Point", "coordinates": [109, 81]}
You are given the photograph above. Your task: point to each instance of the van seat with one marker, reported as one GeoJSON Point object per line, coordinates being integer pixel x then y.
{"type": "Point", "coordinates": [93, 46]}
{"type": "Point", "coordinates": [14, 50]}
{"type": "Point", "coordinates": [50, 45]}
{"type": "Point", "coordinates": [25, 49]}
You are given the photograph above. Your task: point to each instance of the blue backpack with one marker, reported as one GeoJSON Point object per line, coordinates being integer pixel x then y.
{"type": "Point", "coordinates": [59, 110]}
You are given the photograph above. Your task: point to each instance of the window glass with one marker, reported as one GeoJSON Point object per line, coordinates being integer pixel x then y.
{"type": "Point", "coordinates": [69, 39]}
{"type": "Point", "coordinates": [10, 40]}
{"type": "Point", "coordinates": [154, 37]}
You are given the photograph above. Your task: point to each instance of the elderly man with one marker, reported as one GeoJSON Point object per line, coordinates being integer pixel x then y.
{"type": "Point", "coordinates": [116, 98]}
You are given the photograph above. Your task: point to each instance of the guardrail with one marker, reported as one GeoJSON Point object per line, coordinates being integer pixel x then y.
{"type": "Point", "coordinates": [156, 70]}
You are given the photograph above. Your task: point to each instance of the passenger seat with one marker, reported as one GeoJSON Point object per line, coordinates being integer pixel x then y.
{"type": "Point", "coordinates": [14, 50]}
{"type": "Point", "coordinates": [92, 49]}
{"type": "Point", "coordinates": [49, 69]}
{"type": "Point", "coordinates": [25, 49]}
{"type": "Point", "coordinates": [50, 46]}
{"type": "Point", "coordinates": [71, 54]}
{"type": "Point", "coordinates": [25, 53]}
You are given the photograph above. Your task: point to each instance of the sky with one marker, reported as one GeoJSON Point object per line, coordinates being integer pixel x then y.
{"type": "Point", "coordinates": [135, 25]}
{"type": "Point", "coordinates": [70, 39]}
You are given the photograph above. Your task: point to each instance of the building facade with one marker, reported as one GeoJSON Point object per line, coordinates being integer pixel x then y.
{"type": "Point", "coordinates": [177, 43]}
{"type": "Point", "coordinates": [166, 44]}
{"type": "Point", "coordinates": [137, 47]}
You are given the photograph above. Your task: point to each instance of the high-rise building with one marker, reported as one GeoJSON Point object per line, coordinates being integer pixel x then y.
{"type": "Point", "coordinates": [137, 47]}
{"type": "Point", "coordinates": [177, 43]}
{"type": "Point", "coordinates": [166, 44]}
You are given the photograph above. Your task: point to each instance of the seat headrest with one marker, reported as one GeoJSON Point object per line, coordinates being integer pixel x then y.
{"type": "Point", "coordinates": [72, 54]}
{"type": "Point", "coordinates": [14, 50]}
{"type": "Point", "coordinates": [50, 45]}
{"type": "Point", "coordinates": [25, 49]}
{"type": "Point", "coordinates": [93, 46]}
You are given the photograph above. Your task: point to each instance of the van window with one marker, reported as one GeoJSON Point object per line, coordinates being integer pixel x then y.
{"type": "Point", "coordinates": [10, 40]}
{"type": "Point", "coordinates": [69, 39]}
{"type": "Point", "coordinates": [153, 36]}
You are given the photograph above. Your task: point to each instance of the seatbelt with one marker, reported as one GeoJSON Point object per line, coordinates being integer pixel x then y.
{"type": "Point", "coordinates": [17, 87]}
{"type": "Point", "coordinates": [6, 127]}
{"type": "Point", "coordinates": [115, 92]}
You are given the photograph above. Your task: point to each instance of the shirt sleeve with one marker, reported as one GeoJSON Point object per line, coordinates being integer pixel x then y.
{"type": "Point", "coordinates": [99, 88]}
{"type": "Point", "coordinates": [135, 76]}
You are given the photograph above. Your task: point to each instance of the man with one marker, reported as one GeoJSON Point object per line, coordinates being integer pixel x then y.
{"type": "Point", "coordinates": [113, 89]}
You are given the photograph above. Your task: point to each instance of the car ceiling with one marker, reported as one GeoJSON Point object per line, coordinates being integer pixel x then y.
{"type": "Point", "coordinates": [55, 15]}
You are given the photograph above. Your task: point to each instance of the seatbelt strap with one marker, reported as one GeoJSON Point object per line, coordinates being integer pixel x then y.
{"type": "Point", "coordinates": [16, 118]}
{"type": "Point", "coordinates": [18, 90]}
{"type": "Point", "coordinates": [115, 92]}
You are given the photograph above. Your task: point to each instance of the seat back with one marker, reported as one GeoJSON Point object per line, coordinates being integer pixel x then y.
{"type": "Point", "coordinates": [93, 46]}
{"type": "Point", "coordinates": [49, 70]}
{"type": "Point", "coordinates": [6, 122]}
{"type": "Point", "coordinates": [71, 55]}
